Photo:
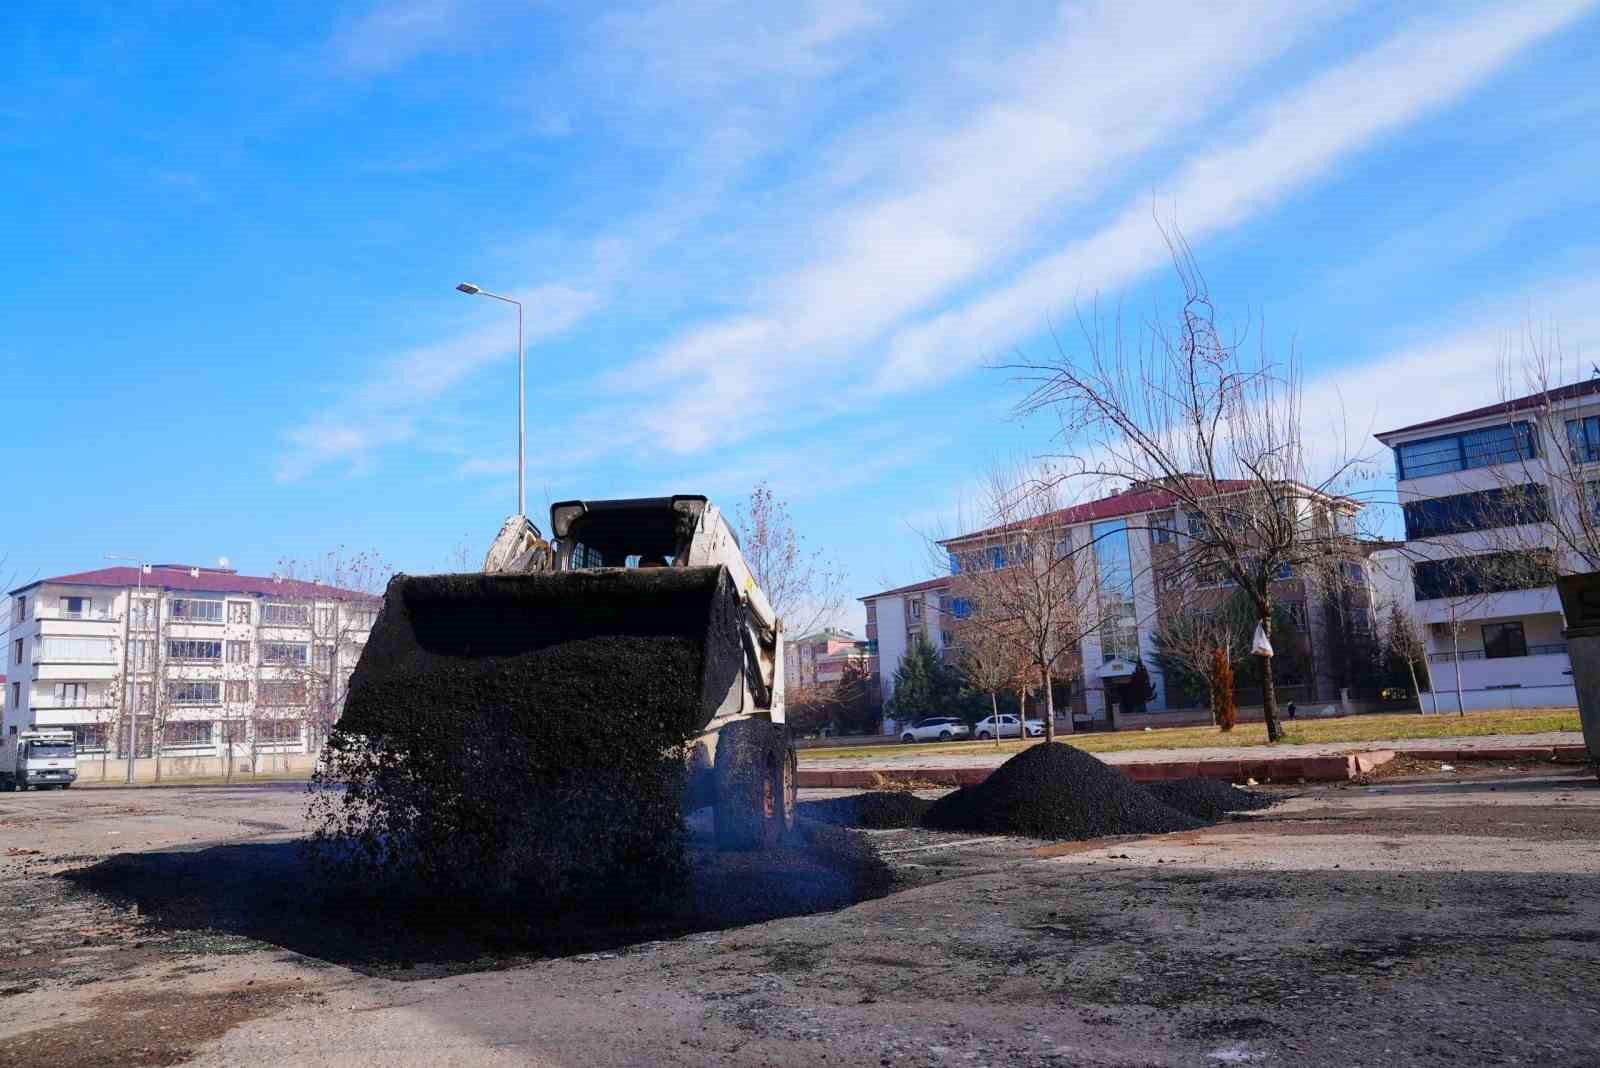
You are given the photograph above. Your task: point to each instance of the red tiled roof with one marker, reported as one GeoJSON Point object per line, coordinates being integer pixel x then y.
{"type": "Point", "coordinates": [1520, 404]}
{"type": "Point", "coordinates": [916, 587]}
{"type": "Point", "coordinates": [1132, 502]}
{"type": "Point", "coordinates": [209, 580]}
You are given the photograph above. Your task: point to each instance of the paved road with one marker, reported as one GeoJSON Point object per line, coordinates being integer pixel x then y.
{"type": "Point", "coordinates": [976, 755]}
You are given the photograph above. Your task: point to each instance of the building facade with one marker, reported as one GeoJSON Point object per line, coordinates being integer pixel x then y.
{"type": "Point", "coordinates": [898, 618]}
{"type": "Point", "coordinates": [213, 671]}
{"type": "Point", "coordinates": [1120, 549]}
{"type": "Point", "coordinates": [824, 657]}
{"type": "Point", "coordinates": [1478, 491]}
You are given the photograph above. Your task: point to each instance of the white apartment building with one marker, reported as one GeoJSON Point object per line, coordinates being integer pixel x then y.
{"type": "Point", "coordinates": [217, 670]}
{"type": "Point", "coordinates": [897, 618]}
{"type": "Point", "coordinates": [1453, 477]}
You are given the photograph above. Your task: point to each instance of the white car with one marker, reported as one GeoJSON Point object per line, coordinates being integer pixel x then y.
{"type": "Point", "coordinates": [935, 728]}
{"type": "Point", "coordinates": [1009, 728]}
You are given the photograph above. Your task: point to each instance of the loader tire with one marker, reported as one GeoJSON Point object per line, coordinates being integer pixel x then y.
{"type": "Point", "coordinates": [755, 785]}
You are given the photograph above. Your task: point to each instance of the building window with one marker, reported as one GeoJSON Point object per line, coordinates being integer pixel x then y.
{"type": "Point", "coordinates": [16, 699]}
{"type": "Point", "coordinates": [92, 737]}
{"type": "Point", "coordinates": [363, 618]}
{"type": "Point", "coordinates": [283, 653]}
{"type": "Point", "coordinates": [144, 653]}
{"type": "Point", "coordinates": [281, 693]}
{"type": "Point", "coordinates": [1502, 444]}
{"type": "Point", "coordinates": [914, 609]}
{"type": "Point", "coordinates": [143, 695]}
{"type": "Point", "coordinates": [194, 693]}
{"type": "Point", "coordinates": [278, 731]}
{"type": "Point", "coordinates": [1583, 439]}
{"type": "Point", "coordinates": [21, 615]}
{"type": "Point", "coordinates": [238, 611]}
{"type": "Point", "coordinates": [284, 615]}
{"type": "Point", "coordinates": [72, 694]}
{"type": "Point", "coordinates": [1296, 611]}
{"type": "Point", "coordinates": [76, 607]}
{"type": "Point", "coordinates": [196, 609]}
{"type": "Point", "coordinates": [238, 691]}
{"type": "Point", "coordinates": [1503, 640]}
{"type": "Point", "coordinates": [1284, 573]}
{"type": "Point", "coordinates": [144, 613]}
{"type": "Point", "coordinates": [193, 649]}
{"type": "Point", "coordinates": [1458, 513]}
{"type": "Point", "coordinates": [61, 649]}
{"type": "Point", "coordinates": [238, 652]}
{"type": "Point", "coordinates": [322, 656]}
{"type": "Point", "coordinates": [183, 733]}
{"type": "Point", "coordinates": [1360, 618]}
{"type": "Point", "coordinates": [16, 652]}
{"type": "Point", "coordinates": [232, 733]}
{"type": "Point", "coordinates": [1161, 529]}
{"type": "Point", "coordinates": [1196, 524]}
{"type": "Point", "coordinates": [1467, 576]}
{"type": "Point", "coordinates": [960, 607]}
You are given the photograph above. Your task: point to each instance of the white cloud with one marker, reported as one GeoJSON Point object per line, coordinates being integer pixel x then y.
{"type": "Point", "coordinates": [1295, 141]}
{"type": "Point", "coordinates": [387, 407]}
{"type": "Point", "coordinates": [393, 34]}
{"type": "Point", "coordinates": [1089, 97]}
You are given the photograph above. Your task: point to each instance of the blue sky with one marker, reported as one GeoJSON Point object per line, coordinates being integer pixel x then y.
{"type": "Point", "coordinates": [781, 242]}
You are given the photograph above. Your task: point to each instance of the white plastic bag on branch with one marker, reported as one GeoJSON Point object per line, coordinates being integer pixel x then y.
{"type": "Point", "coordinates": [1261, 645]}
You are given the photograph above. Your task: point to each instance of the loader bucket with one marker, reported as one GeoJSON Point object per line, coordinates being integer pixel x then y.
{"type": "Point", "coordinates": [517, 652]}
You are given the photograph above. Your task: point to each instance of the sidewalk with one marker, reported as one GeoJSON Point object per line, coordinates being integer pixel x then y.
{"type": "Point", "coordinates": [1321, 762]}
{"type": "Point", "coordinates": [981, 757]}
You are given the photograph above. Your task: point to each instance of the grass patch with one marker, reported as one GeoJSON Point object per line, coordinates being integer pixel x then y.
{"type": "Point", "coordinates": [1300, 732]}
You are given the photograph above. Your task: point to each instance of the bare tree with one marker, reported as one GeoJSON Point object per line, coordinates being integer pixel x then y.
{"type": "Point", "coordinates": [340, 593]}
{"type": "Point", "coordinates": [1194, 642]}
{"type": "Point", "coordinates": [1017, 584]}
{"type": "Point", "coordinates": [1216, 425]}
{"type": "Point", "coordinates": [803, 585]}
{"type": "Point", "coordinates": [1401, 636]}
{"type": "Point", "coordinates": [991, 658]}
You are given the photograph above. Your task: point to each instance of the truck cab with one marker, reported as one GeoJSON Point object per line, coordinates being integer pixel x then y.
{"type": "Point", "coordinates": [39, 758]}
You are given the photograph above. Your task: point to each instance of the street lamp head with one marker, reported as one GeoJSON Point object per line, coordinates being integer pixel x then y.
{"type": "Point", "coordinates": [469, 288]}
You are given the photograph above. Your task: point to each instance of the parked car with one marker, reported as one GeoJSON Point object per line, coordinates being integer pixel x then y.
{"type": "Point", "coordinates": [985, 728]}
{"type": "Point", "coordinates": [935, 728]}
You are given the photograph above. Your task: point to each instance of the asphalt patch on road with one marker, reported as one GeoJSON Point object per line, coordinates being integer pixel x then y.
{"type": "Point", "coordinates": [1056, 791]}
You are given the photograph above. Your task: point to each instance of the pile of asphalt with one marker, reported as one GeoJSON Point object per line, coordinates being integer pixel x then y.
{"type": "Point", "coordinates": [524, 735]}
{"type": "Point", "coordinates": [1207, 799]}
{"type": "Point", "coordinates": [1059, 792]}
{"type": "Point", "coordinates": [876, 810]}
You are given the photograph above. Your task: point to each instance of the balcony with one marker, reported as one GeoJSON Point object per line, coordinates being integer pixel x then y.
{"type": "Point", "coordinates": [1553, 649]}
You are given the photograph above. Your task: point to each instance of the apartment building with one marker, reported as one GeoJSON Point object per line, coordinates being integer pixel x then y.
{"type": "Point", "coordinates": [1120, 547]}
{"type": "Point", "coordinates": [825, 657]}
{"type": "Point", "coordinates": [897, 618]}
{"type": "Point", "coordinates": [215, 670]}
{"type": "Point", "coordinates": [1480, 488]}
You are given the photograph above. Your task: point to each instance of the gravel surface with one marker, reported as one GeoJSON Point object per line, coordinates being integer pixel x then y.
{"type": "Point", "coordinates": [877, 810]}
{"type": "Point", "coordinates": [1207, 799]}
{"type": "Point", "coordinates": [1056, 791]}
{"type": "Point", "coordinates": [1433, 924]}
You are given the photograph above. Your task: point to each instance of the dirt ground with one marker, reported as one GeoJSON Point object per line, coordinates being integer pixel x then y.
{"type": "Point", "coordinates": [1437, 919]}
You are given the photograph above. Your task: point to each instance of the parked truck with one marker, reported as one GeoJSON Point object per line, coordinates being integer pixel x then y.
{"type": "Point", "coordinates": [37, 759]}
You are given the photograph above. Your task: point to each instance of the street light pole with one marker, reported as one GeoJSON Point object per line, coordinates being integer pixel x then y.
{"type": "Point", "coordinates": [477, 291]}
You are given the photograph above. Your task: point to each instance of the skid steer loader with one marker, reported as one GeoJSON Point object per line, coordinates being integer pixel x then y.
{"type": "Point", "coordinates": [617, 574]}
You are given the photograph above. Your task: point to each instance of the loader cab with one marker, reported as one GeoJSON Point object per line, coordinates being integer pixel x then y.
{"type": "Point", "coordinates": [642, 531]}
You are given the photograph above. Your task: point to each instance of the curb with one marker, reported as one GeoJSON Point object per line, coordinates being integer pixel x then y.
{"type": "Point", "coordinates": [1335, 768]}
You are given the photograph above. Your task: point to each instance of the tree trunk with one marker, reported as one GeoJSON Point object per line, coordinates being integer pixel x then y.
{"type": "Point", "coordinates": [1049, 710]}
{"type": "Point", "coordinates": [1455, 651]}
{"type": "Point", "coordinates": [994, 712]}
{"type": "Point", "coordinates": [1022, 714]}
{"type": "Point", "coordinates": [1269, 695]}
{"type": "Point", "coordinates": [1416, 687]}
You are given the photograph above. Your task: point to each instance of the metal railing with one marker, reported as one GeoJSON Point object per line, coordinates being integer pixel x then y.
{"type": "Point", "coordinates": [1551, 649]}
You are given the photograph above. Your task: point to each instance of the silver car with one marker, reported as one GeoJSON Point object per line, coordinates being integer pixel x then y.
{"type": "Point", "coordinates": [1009, 728]}
{"type": "Point", "coordinates": [935, 729]}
